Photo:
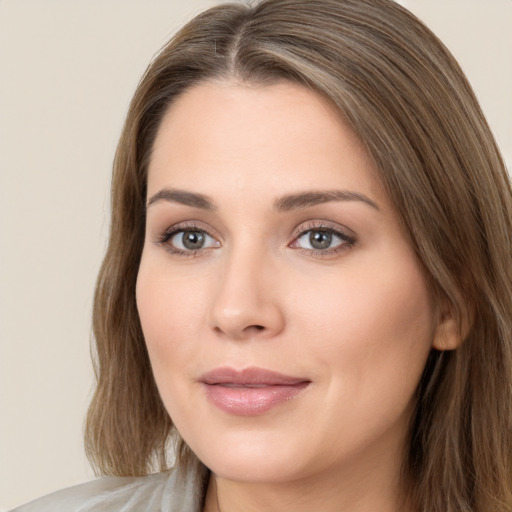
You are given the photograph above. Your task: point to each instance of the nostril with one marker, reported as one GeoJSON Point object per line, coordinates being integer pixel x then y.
{"type": "Point", "coordinates": [258, 327]}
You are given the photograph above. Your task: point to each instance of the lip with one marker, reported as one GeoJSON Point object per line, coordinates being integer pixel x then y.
{"type": "Point", "coordinates": [251, 391]}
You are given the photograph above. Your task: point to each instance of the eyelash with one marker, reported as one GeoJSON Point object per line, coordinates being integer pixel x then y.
{"type": "Point", "coordinates": [347, 241]}
{"type": "Point", "coordinates": [165, 237]}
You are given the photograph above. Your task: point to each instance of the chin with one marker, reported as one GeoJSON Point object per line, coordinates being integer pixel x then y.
{"type": "Point", "coordinates": [251, 458]}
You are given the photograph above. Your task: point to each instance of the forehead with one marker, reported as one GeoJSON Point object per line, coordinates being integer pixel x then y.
{"type": "Point", "coordinates": [279, 138]}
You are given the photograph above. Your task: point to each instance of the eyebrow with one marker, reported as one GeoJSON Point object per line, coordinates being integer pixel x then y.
{"type": "Point", "coordinates": [182, 197]}
{"type": "Point", "coordinates": [286, 203]}
{"type": "Point", "coordinates": [307, 199]}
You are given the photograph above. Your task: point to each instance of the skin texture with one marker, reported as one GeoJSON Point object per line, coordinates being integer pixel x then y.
{"type": "Point", "coordinates": [356, 320]}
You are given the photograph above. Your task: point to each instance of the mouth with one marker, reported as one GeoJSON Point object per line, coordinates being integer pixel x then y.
{"type": "Point", "coordinates": [251, 391]}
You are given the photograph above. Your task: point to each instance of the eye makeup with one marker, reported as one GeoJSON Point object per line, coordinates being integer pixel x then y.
{"type": "Point", "coordinates": [313, 238]}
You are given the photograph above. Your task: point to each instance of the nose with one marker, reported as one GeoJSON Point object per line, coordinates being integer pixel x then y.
{"type": "Point", "coordinates": [247, 302]}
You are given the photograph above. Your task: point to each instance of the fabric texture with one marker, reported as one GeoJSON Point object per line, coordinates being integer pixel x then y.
{"type": "Point", "coordinates": [169, 491]}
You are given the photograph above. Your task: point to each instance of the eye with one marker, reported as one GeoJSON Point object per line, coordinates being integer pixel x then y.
{"type": "Point", "coordinates": [322, 240]}
{"type": "Point", "coordinates": [187, 240]}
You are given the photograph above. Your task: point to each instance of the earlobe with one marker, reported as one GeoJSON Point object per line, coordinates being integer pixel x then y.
{"type": "Point", "coordinates": [450, 331]}
{"type": "Point", "coordinates": [447, 335]}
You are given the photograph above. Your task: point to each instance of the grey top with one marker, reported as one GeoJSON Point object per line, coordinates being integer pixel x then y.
{"type": "Point", "coordinates": [169, 491]}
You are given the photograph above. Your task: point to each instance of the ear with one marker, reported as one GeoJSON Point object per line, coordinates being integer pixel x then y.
{"type": "Point", "coordinates": [450, 331]}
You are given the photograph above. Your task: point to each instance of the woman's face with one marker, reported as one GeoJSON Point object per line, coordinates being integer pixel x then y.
{"type": "Point", "coordinates": [287, 318]}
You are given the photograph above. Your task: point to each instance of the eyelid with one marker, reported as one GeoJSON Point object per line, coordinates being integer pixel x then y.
{"type": "Point", "coordinates": [187, 225]}
{"type": "Point", "coordinates": [163, 238]}
{"type": "Point", "coordinates": [322, 224]}
{"type": "Point", "coordinates": [347, 236]}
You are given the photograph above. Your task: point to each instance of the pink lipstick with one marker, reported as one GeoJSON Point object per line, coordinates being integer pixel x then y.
{"type": "Point", "coordinates": [251, 391]}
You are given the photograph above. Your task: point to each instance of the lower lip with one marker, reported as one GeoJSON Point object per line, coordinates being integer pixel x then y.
{"type": "Point", "coordinates": [251, 401]}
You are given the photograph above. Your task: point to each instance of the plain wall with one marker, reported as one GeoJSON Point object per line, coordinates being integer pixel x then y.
{"type": "Point", "coordinates": [67, 72]}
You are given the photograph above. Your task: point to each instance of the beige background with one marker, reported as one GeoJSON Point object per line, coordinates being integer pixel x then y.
{"type": "Point", "coordinates": [67, 71]}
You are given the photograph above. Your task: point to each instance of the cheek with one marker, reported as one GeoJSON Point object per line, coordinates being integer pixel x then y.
{"type": "Point", "coordinates": [373, 329]}
{"type": "Point", "coordinates": [170, 316]}
{"type": "Point", "coordinates": [169, 320]}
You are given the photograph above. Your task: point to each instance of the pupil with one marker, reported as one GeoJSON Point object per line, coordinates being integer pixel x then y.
{"type": "Point", "coordinates": [320, 239]}
{"type": "Point", "coordinates": [193, 240]}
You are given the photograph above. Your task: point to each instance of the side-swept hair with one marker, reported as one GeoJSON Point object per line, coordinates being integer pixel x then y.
{"type": "Point", "coordinates": [408, 101]}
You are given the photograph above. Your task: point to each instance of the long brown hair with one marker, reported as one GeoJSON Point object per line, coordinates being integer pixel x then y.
{"type": "Point", "coordinates": [406, 98]}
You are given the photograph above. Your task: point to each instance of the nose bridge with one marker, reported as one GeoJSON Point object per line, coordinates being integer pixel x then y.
{"type": "Point", "coordinates": [246, 304]}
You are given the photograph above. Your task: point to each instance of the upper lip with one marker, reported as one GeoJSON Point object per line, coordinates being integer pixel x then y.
{"type": "Point", "coordinates": [250, 376]}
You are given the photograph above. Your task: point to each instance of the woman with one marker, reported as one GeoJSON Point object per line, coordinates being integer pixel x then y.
{"type": "Point", "coordinates": [308, 283]}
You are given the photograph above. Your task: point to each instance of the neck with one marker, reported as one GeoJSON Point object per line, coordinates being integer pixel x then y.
{"type": "Point", "coordinates": [366, 490]}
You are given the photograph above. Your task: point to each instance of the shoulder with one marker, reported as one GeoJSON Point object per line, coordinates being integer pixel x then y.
{"type": "Point", "coordinates": [160, 492]}
{"type": "Point", "coordinates": [72, 497]}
